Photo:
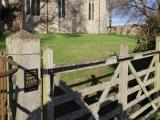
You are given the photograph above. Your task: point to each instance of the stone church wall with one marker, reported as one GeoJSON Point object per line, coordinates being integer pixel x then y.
{"type": "Point", "coordinates": [76, 18]}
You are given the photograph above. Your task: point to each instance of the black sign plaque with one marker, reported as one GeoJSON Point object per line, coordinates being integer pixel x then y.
{"type": "Point", "coordinates": [31, 81]}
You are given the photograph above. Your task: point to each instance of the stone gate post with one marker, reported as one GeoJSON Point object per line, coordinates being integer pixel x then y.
{"type": "Point", "coordinates": [25, 50]}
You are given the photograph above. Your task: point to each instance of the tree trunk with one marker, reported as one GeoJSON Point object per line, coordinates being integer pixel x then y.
{"type": "Point", "coordinates": [158, 2]}
{"type": "Point", "coordinates": [110, 13]}
{"type": "Point", "coordinates": [0, 8]}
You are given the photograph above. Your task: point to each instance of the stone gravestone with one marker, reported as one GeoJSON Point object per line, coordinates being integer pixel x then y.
{"type": "Point", "coordinates": [25, 50]}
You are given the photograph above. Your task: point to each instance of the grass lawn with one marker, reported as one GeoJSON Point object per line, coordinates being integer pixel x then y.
{"type": "Point", "coordinates": [78, 48]}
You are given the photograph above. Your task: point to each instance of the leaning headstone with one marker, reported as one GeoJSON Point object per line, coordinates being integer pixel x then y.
{"type": "Point", "coordinates": [25, 50]}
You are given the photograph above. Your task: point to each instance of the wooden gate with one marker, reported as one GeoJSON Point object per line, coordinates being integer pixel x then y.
{"type": "Point", "coordinates": [132, 93]}
{"type": "Point", "coordinates": [5, 112]}
{"type": "Point", "coordinates": [3, 91]}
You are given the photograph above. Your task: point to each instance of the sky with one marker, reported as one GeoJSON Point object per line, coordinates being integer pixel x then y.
{"type": "Point", "coordinates": [119, 20]}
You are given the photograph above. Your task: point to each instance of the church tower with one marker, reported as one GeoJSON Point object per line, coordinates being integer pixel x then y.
{"type": "Point", "coordinates": [95, 16]}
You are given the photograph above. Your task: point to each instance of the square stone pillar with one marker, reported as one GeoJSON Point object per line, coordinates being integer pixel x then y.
{"type": "Point", "coordinates": [24, 47]}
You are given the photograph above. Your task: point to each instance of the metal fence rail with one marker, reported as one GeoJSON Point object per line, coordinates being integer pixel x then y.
{"type": "Point", "coordinates": [63, 68]}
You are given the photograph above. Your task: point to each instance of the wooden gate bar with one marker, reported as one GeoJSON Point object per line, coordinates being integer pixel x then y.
{"type": "Point", "coordinates": [141, 84]}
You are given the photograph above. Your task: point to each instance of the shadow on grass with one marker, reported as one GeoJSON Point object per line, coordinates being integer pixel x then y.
{"type": "Point", "coordinates": [94, 80]}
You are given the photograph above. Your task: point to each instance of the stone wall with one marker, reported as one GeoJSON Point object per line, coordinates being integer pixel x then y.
{"type": "Point", "coordinates": [125, 29]}
{"type": "Point", "coordinates": [76, 18]}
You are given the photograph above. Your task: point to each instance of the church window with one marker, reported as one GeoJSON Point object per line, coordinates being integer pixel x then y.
{"type": "Point", "coordinates": [61, 8]}
{"type": "Point", "coordinates": [91, 10]}
{"type": "Point", "coordinates": [32, 7]}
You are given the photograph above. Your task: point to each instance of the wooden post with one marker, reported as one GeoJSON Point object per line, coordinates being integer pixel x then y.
{"type": "Point", "coordinates": [10, 97]}
{"type": "Point", "coordinates": [25, 50]}
{"type": "Point", "coordinates": [48, 83]}
{"type": "Point", "coordinates": [157, 72]}
{"type": "Point", "coordinates": [3, 94]}
{"type": "Point", "coordinates": [123, 83]}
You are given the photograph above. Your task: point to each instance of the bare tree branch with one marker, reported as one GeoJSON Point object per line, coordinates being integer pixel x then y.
{"type": "Point", "coordinates": [136, 9]}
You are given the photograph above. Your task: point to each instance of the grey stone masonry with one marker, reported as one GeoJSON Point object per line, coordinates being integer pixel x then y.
{"type": "Point", "coordinates": [76, 17]}
{"type": "Point", "coordinates": [25, 50]}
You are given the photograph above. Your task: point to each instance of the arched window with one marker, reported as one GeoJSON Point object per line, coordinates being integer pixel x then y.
{"type": "Point", "coordinates": [32, 7]}
{"type": "Point", "coordinates": [61, 8]}
{"type": "Point", "coordinates": [91, 10]}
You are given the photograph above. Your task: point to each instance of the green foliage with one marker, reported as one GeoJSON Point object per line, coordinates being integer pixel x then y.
{"type": "Point", "coordinates": [148, 33]}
